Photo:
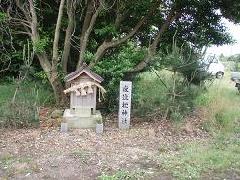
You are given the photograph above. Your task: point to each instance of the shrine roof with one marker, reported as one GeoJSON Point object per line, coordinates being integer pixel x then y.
{"type": "Point", "coordinates": [86, 70]}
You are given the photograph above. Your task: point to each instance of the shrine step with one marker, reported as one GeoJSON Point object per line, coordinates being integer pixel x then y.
{"type": "Point", "coordinates": [75, 121]}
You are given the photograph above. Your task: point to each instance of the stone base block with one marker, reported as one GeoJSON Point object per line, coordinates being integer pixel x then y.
{"type": "Point", "coordinates": [76, 121]}
{"type": "Point", "coordinates": [81, 112]}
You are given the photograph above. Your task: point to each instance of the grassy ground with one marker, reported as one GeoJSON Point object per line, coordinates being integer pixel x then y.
{"type": "Point", "coordinates": [217, 157]}
{"type": "Point", "coordinates": [221, 110]}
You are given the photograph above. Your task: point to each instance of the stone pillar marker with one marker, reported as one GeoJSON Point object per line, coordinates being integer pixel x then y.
{"type": "Point", "coordinates": [124, 112]}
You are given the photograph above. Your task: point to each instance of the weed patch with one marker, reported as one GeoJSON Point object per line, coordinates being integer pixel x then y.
{"type": "Point", "coordinates": [122, 175]}
{"type": "Point", "coordinates": [195, 159]}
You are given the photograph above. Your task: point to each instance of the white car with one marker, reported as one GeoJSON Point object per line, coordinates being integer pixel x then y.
{"type": "Point", "coordinates": [216, 68]}
{"type": "Point", "coordinates": [213, 66]}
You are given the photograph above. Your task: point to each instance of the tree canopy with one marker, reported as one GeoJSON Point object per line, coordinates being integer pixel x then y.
{"type": "Point", "coordinates": [110, 36]}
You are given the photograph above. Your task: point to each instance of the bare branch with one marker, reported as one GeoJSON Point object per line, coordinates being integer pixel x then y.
{"type": "Point", "coordinates": [7, 68]}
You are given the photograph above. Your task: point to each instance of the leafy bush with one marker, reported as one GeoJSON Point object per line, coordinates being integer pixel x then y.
{"type": "Point", "coordinates": [113, 69]}
{"type": "Point", "coordinates": [41, 45]}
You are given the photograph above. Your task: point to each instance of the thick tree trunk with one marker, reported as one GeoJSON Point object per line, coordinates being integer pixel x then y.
{"type": "Point", "coordinates": [53, 78]}
{"type": "Point", "coordinates": [61, 98]}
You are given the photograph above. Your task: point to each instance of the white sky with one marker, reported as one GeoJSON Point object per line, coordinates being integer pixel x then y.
{"type": "Point", "coordinates": [228, 50]}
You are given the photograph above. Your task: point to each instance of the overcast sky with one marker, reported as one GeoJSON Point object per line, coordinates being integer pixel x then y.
{"type": "Point", "coordinates": [228, 50]}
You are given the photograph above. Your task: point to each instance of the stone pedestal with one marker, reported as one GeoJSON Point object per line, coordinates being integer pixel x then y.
{"type": "Point", "coordinates": [76, 119]}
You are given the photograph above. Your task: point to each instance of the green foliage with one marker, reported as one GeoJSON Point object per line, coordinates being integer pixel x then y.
{"type": "Point", "coordinates": [221, 105]}
{"type": "Point", "coordinates": [235, 59]}
{"type": "Point", "coordinates": [3, 16]}
{"type": "Point", "coordinates": [42, 76]}
{"type": "Point", "coordinates": [185, 60]}
{"type": "Point", "coordinates": [198, 25]}
{"type": "Point", "coordinates": [113, 69]}
{"type": "Point", "coordinates": [106, 30]}
{"type": "Point", "coordinates": [41, 45]}
{"type": "Point", "coordinates": [202, 100]}
{"type": "Point", "coordinates": [171, 93]}
{"type": "Point", "coordinates": [88, 56]}
{"type": "Point", "coordinates": [210, 157]}
{"type": "Point", "coordinates": [19, 115]}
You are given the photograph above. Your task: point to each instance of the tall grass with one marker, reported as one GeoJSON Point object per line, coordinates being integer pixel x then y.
{"type": "Point", "coordinates": [19, 105]}
{"type": "Point", "coordinates": [164, 93]}
{"type": "Point", "coordinates": [212, 157]}
{"type": "Point", "coordinates": [221, 106]}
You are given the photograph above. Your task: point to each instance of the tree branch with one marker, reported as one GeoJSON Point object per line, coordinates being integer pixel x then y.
{"type": "Point", "coordinates": [71, 4]}
{"type": "Point", "coordinates": [84, 42]}
{"type": "Point", "coordinates": [153, 46]}
{"type": "Point", "coordinates": [43, 59]}
{"type": "Point", "coordinates": [106, 44]}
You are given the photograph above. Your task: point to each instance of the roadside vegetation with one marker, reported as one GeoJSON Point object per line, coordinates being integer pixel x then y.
{"type": "Point", "coordinates": [214, 156]}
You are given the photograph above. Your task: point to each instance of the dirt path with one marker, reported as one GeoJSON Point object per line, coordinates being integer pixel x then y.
{"type": "Point", "coordinates": [82, 154]}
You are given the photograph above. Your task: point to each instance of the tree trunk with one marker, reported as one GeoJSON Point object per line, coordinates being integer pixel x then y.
{"type": "Point", "coordinates": [61, 98]}
{"type": "Point", "coordinates": [85, 36]}
{"type": "Point", "coordinates": [53, 78]}
{"type": "Point", "coordinates": [69, 31]}
{"type": "Point", "coordinates": [57, 33]}
{"type": "Point", "coordinates": [48, 68]}
{"type": "Point", "coordinates": [86, 23]}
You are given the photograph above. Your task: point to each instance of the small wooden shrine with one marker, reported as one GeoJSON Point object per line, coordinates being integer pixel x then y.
{"type": "Point", "coordinates": [83, 86]}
